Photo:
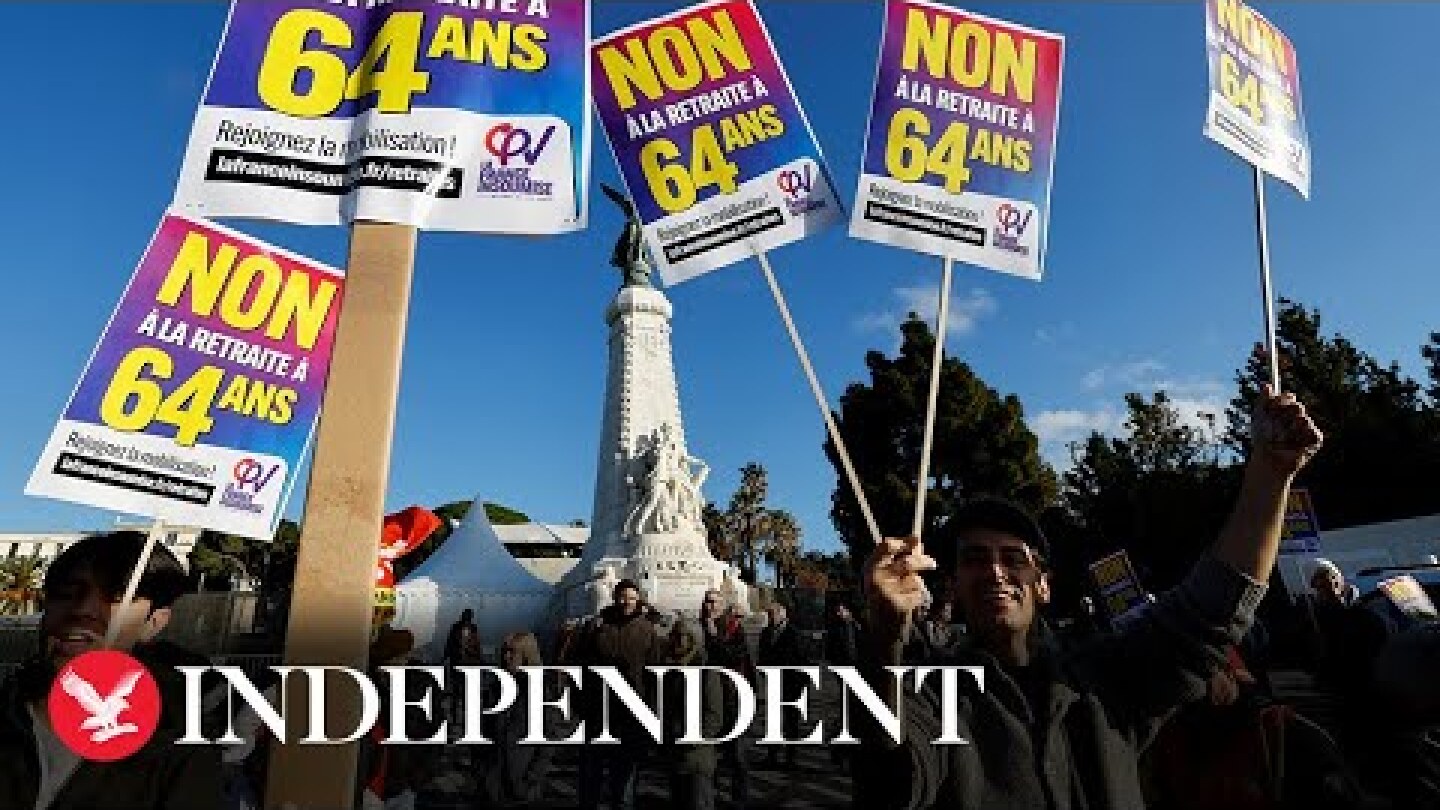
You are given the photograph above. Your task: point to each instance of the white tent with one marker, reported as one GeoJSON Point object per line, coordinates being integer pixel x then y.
{"type": "Point", "coordinates": [472, 569]}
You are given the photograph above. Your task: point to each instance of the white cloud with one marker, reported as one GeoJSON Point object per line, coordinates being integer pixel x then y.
{"type": "Point", "coordinates": [965, 310]}
{"type": "Point", "coordinates": [1060, 333]}
{"type": "Point", "coordinates": [1133, 375]}
{"type": "Point", "coordinates": [1060, 427]}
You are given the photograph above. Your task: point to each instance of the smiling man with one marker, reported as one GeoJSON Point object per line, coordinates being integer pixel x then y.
{"type": "Point", "coordinates": [1052, 729]}
{"type": "Point", "coordinates": [82, 591]}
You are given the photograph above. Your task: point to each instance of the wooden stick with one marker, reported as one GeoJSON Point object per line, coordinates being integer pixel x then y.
{"type": "Point", "coordinates": [1265, 291]}
{"type": "Point", "coordinates": [118, 615]}
{"type": "Point", "coordinates": [340, 535]}
{"type": "Point", "coordinates": [923, 482]}
{"type": "Point", "coordinates": [819, 397]}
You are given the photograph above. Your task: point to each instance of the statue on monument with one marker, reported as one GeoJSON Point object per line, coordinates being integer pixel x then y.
{"type": "Point", "coordinates": [668, 496]}
{"type": "Point", "coordinates": [629, 253]}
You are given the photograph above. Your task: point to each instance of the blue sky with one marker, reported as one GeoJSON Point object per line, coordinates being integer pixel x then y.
{"type": "Point", "coordinates": [1151, 277]}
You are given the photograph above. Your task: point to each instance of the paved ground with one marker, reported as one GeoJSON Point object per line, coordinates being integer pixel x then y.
{"type": "Point", "coordinates": [816, 781]}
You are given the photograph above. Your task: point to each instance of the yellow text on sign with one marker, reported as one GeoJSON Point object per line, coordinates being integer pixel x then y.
{"type": "Point", "coordinates": [1244, 89]}
{"type": "Point", "coordinates": [1254, 34]}
{"type": "Point", "coordinates": [970, 54]}
{"type": "Point", "coordinates": [249, 292]}
{"type": "Point", "coordinates": [135, 397]}
{"type": "Point", "coordinates": [676, 182]}
{"type": "Point", "coordinates": [674, 57]}
{"type": "Point", "coordinates": [388, 67]}
{"type": "Point", "coordinates": [911, 153]}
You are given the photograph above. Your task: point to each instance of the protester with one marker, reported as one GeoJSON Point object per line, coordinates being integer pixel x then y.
{"type": "Point", "coordinates": [691, 767]}
{"type": "Point", "coordinates": [455, 641]}
{"type": "Point", "coordinates": [725, 646]}
{"type": "Point", "coordinates": [511, 774]}
{"type": "Point", "coordinates": [83, 587]}
{"type": "Point", "coordinates": [1239, 750]}
{"type": "Point", "coordinates": [1390, 712]}
{"type": "Point", "coordinates": [392, 775]}
{"type": "Point", "coordinates": [934, 635]}
{"type": "Point", "coordinates": [622, 636]}
{"type": "Point", "coordinates": [780, 646]}
{"type": "Point", "coordinates": [1329, 621]}
{"type": "Point", "coordinates": [842, 638]}
{"type": "Point", "coordinates": [1053, 731]}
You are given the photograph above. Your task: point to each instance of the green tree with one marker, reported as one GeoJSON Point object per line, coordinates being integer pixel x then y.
{"type": "Point", "coordinates": [747, 519]}
{"type": "Point", "coordinates": [749, 531]}
{"type": "Point", "coordinates": [1382, 448]}
{"type": "Point", "coordinates": [1160, 490]}
{"type": "Point", "coordinates": [782, 550]}
{"type": "Point", "coordinates": [982, 444]}
{"type": "Point", "coordinates": [1431, 353]}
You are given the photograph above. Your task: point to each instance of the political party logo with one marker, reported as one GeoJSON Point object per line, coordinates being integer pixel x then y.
{"type": "Point", "coordinates": [505, 142]}
{"type": "Point", "coordinates": [515, 151]}
{"type": "Point", "coordinates": [1012, 222]}
{"type": "Point", "coordinates": [797, 185]}
{"type": "Point", "coordinates": [104, 706]}
{"type": "Point", "coordinates": [250, 477]}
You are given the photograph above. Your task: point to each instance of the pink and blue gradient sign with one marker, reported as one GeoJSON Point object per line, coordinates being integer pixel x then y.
{"type": "Point", "coordinates": [960, 149]}
{"type": "Point", "coordinates": [1255, 109]}
{"type": "Point", "coordinates": [710, 138]}
{"type": "Point", "coordinates": [454, 116]}
{"type": "Point", "coordinates": [201, 396]}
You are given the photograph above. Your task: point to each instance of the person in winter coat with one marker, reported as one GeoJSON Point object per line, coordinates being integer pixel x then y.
{"type": "Point", "coordinates": [622, 636]}
{"type": "Point", "coordinates": [725, 646]}
{"type": "Point", "coordinates": [781, 646]}
{"type": "Point", "coordinates": [83, 587]}
{"type": "Point", "coordinates": [1052, 730]}
{"type": "Point", "coordinates": [511, 774]}
{"type": "Point", "coordinates": [692, 767]}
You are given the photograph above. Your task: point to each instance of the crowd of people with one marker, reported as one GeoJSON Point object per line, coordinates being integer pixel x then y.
{"type": "Point", "coordinates": [1169, 709]}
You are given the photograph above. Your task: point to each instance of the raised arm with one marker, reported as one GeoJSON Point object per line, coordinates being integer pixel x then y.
{"type": "Point", "coordinates": [1283, 440]}
{"type": "Point", "coordinates": [1163, 658]}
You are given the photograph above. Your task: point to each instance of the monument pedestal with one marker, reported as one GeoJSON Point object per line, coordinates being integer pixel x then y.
{"type": "Point", "coordinates": [646, 522]}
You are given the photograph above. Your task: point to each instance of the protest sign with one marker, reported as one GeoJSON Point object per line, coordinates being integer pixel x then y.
{"type": "Point", "coordinates": [710, 138]}
{"type": "Point", "coordinates": [1255, 108]}
{"type": "Point", "coordinates": [1119, 587]}
{"type": "Point", "coordinates": [201, 394]}
{"type": "Point", "coordinates": [448, 116]}
{"type": "Point", "coordinates": [1300, 533]}
{"type": "Point", "coordinates": [960, 149]}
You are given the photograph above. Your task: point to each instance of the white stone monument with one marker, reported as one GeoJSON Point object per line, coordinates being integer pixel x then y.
{"type": "Point", "coordinates": [646, 522]}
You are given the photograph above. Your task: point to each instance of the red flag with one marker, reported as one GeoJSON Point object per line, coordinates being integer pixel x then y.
{"type": "Point", "coordinates": [400, 534]}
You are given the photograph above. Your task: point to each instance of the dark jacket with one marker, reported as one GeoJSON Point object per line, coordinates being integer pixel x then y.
{"type": "Point", "coordinates": [841, 640]}
{"type": "Point", "coordinates": [511, 774]}
{"type": "Point", "coordinates": [692, 759]}
{"type": "Point", "coordinates": [159, 775]}
{"type": "Point", "coordinates": [784, 649]}
{"type": "Point", "coordinates": [628, 643]}
{"type": "Point", "coordinates": [1102, 704]}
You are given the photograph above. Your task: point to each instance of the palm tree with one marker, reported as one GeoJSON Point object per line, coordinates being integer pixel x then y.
{"type": "Point", "coordinates": [782, 548]}
{"type": "Point", "coordinates": [20, 581]}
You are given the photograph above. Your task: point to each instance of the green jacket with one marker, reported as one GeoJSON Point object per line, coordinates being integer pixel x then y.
{"type": "Point", "coordinates": [1104, 702]}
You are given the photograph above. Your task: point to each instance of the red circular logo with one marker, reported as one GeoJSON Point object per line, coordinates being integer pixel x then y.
{"type": "Point", "coordinates": [104, 705]}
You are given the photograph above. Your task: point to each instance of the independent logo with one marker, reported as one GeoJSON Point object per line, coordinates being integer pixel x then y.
{"type": "Point", "coordinates": [104, 706]}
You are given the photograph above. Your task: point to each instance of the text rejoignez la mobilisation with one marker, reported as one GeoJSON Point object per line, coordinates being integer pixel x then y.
{"type": "Point", "coordinates": [492, 690]}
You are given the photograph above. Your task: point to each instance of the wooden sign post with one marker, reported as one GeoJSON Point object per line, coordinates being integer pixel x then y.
{"type": "Point", "coordinates": [340, 537]}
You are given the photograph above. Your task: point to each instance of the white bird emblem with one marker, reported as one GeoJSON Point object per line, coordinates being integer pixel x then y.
{"type": "Point", "coordinates": [104, 712]}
